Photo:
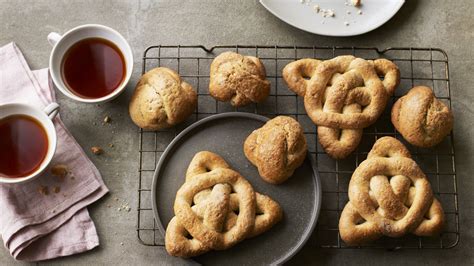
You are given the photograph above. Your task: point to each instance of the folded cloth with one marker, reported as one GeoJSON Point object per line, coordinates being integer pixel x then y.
{"type": "Point", "coordinates": [36, 225]}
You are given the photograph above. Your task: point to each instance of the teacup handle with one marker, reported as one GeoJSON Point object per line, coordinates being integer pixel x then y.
{"type": "Point", "coordinates": [52, 110]}
{"type": "Point", "coordinates": [53, 38]}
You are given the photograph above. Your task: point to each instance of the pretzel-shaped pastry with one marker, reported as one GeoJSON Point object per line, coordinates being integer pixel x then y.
{"type": "Point", "coordinates": [342, 96]}
{"type": "Point", "coordinates": [226, 209]}
{"type": "Point", "coordinates": [379, 205]}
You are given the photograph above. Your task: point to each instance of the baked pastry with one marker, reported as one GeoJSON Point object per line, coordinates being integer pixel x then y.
{"type": "Point", "coordinates": [342, 96]}
{"type": "Point", "coordinates": [216, 208]}
{"type": "Point", "coordinates": [277, 148]}
{"type": "Point", "coordinates": [161, 100]}
{"type": "Point", "coordinates": [389, 196]}
{"type": "Point", "coordinates": [238, 79]}
{"type": "Point", "coordinates": [423, 120]}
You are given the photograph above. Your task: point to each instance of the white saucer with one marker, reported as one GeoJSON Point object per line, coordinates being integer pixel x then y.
{"type": "Point", "coordinates": [346, 20]}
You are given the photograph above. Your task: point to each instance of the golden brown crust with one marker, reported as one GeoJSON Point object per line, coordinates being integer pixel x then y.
{"type": "Point", "coordinates": [342, 96]}
{"type": "Point", "coordinates": [216, 208]}
{"type": "Point", "coordinates": [389, 195]}
{"type": "Point", "coordinates": [161, 100]}
{"type": "Point", "coordinates": [297, 74]}
{"type": "Point", "coordinates": [238, 79]}
{"type": "Point", "coordinates": [423, 120]}
{"type": "Point", "coordinates": [277, 149]}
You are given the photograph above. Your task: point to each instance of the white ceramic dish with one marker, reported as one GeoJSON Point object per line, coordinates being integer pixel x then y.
{"type": "Point", "coordinates": [346, 22]}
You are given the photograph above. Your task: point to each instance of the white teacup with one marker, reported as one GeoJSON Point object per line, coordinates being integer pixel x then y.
{"type": "Point", "coordinates": [44, 117]}
{"type": "Point", "coordinates": [61, 44]}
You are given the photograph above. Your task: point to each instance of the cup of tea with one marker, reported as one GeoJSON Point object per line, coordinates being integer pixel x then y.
{"type": "Point", "coordinates": [27, 141]}
{"type": "Point", "coordinates": [90, 63]}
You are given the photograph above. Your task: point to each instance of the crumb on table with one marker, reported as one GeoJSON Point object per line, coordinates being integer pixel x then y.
{"type": "Point", "coordinates": [97, 150]}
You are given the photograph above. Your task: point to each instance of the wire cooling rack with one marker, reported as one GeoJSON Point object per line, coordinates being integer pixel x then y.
{"type": "Point", "coordinates": [418, 66]}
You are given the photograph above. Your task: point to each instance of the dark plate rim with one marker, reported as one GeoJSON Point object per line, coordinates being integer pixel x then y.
{"type": "Point", "coordinates": [317, 181]}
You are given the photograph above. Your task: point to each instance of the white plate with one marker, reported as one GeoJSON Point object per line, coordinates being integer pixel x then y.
{"type": "Point", "coordinates": [303, 15]}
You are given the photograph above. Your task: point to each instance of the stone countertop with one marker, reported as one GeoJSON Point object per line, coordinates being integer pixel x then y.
{"type": "Point", "coordinates": [444, 24]}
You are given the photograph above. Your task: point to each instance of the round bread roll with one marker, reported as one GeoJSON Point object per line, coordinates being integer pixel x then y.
{"type": "Point", "coordinates": [277, 149]}
{"type": "Point", "coordinates": [238, 79]}
{"type": "Point", "coordinates": [161, 100]}
{"type": "Point", "coordinates": [422, 119]}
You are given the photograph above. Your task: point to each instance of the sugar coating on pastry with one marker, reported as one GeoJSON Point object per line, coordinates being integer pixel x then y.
{"type": "Point", "coordinates": [238, 79]}
{"type": "Point", "coordinates": [161, 99]}
{"type": "Point", "coordinates": [277, 149]}
{"type": "Point", "coordinates": [216, 208]}
{"type": "Point", "coordinates": [389, 195]}
{"type": "Point", "coordinates": [421, 118]}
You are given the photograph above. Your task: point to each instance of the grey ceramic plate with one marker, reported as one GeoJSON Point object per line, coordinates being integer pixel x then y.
{"type": "Point", "coordinates": [224, 134]}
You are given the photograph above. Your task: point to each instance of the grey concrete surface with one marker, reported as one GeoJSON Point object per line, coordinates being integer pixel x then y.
{"type": "Point", "coordinates": [424, 23]}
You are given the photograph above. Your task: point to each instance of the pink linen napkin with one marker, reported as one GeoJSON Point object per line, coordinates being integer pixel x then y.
{"type": "Point", "coordinates": [35, 226]}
